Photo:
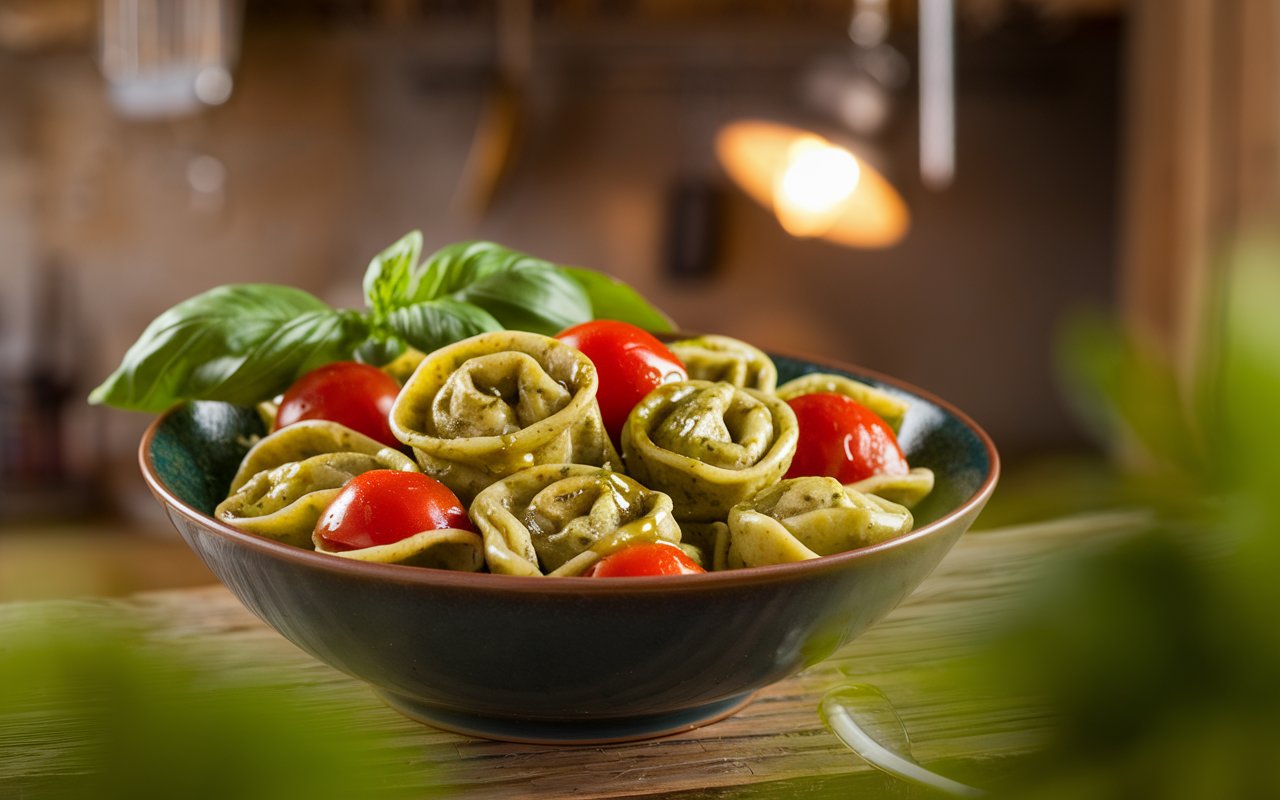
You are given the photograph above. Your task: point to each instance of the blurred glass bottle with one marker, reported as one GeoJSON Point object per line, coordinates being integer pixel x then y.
{"type": "Point", "coordinates": [165, 59]}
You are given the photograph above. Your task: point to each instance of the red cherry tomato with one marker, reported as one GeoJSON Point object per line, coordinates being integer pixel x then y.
{"type": "Point", "coordinates": [630, 362]}
{"type": "Point", "coordinates": [356, 395]}
{"type": "Point", "coordinates": [383, 506]}
{"type": "Point", "coordinates": [640, 560]}
{"type": "Point", "coordinates": [843, 439]}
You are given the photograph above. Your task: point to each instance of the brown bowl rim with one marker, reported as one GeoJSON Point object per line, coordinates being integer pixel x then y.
{"type": "Point", "coordinates": [398, 573]}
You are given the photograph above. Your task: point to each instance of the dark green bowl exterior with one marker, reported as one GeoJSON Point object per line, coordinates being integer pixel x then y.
{"type": "Point", "coordinates": [566, 659]}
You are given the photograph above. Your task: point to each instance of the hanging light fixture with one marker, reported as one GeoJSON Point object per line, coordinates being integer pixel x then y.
{"type": "Point", "coordinates": [816, 186]}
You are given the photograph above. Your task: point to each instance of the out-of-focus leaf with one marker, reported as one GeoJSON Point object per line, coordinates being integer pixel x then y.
{"type": "Point", "coordinates": [1119, 386]}
{"type": "Point", "coordinates": [92, 709]}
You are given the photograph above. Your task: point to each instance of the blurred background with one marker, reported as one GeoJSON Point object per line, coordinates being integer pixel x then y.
{"type": "Point", "coordinates": [927, 188]}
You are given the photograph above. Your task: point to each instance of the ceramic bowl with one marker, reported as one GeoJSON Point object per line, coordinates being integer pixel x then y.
{"type": "Point", "coordinates": [568, 660]}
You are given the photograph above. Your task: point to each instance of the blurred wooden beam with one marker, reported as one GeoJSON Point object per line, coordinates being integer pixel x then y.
{"type": "Point", "coordinates": [1203, 145]}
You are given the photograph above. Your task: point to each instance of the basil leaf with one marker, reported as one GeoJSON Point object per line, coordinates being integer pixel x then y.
{"type": "Point", "coordinates": [391, 275]}
{"type": "Point", "coordinates": [291, 349]}
{"type": "Point", "coordinates": [520, 291]}
{"type": "Point", "coordinates": [613, 299]}
{"type": "Point", "coordinates": [458, 266]}
{"type": "Point", "coordinates": [540, 300]}
{"type": "Point", "coordinates": [432, 324]}
{"type": "Point", "coordinates": [380, 348]}
{"type": "Point", "coordinates": [238, 343]}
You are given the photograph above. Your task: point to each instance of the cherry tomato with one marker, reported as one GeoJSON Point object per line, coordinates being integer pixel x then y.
{"type": "Point", "coordinates": [356, 395]}
{"type": "Point", "coordinates": [640, 560]}
{"type": "Point", "coordinates": [630, 362]}
{"type": "Point", "coordinates": [383, 506]}
{"type": "Point", "coordinates": [843, 439]}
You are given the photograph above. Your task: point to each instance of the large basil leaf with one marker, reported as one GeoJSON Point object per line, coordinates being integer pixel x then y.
{"type": "Point", "coordinates": [239, 343]}
{"type": "Point", "coordinates": [458, 266]}
{"type": "Point", "coordinates": [530, 299]}
{"type": "Point", "coordinates": [432, 324]}
{"type": "Point", "coordinates": [520, 291]}
{"type": "Point", "coordinates": [391, 275]}
{"type": "Point", "coordinates": [613, 299]}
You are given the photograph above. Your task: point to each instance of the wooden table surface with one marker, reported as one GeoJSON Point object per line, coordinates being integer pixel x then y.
{"type": "Point", "coordinates": [776, 747]}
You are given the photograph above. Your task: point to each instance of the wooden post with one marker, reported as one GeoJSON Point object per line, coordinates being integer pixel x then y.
{"type": "Point", "coordinates": [1202, 158]}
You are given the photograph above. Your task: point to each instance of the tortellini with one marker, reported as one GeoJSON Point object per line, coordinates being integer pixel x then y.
{"type": "Point", "coordinates": [509, 421]}
{"type": "Point", "coordinates": [446, 548]}
{"type": "Point", "coordinates": [486, 407]}
{"type": "Point", "coordinates": [886, 406]}
{"type": "Point", "coordinates": [706, 543]}
{"type": "Point", "coordinates": [804, 518]}
{"type": "Point", "coordinates": [907, 490]}
{"type": "Point", "coordinates": [288, 478]}
{"type": "Point", "coordinates": [722, 358]}
{"type": "Point", "coordinates": [708, 445]}
{"type": "Point", "coordinates": [559, 519]}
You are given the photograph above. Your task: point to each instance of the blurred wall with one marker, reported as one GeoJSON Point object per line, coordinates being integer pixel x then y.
{"type": "Point", "coordinates": [340, 138]}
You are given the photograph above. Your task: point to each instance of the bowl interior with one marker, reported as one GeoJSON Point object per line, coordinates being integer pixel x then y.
{"type": "Point", "coordinates": [198, 448]}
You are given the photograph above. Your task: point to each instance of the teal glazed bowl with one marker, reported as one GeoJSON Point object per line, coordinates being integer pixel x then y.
{"type": "Point", "coordinates": [567, 660]}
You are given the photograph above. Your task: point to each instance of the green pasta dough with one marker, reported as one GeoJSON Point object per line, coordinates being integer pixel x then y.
{"type": "Point", "coordinates": [489, 406]}
{"type": "Point", "coordinates": [708, 445]}
{"type": "Point", "coordinates": [288, 478]}
{"type": "Point", "coordinates": [906, 490]}
{"type": "Point", "coordinates": [710, 540]}
{"type": "Point", "coordinates": [447, 548]}
{"type": "Point", "coordinates": [722, 358]}
{"type": "Point", "coordinates": [559, 519]}
{"type": "Point", "coordinates": [886, 406]}
{"type": "Point", "coordinates": [804, 518]}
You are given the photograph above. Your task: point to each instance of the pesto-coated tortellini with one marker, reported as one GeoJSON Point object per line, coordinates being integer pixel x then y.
{"type": "Point", "coordinates": [559, 519]}
{"type": "Point", "coordinates": [886, 406]}
{"type": "Point", "coordinates": [288, 478]}
{"type": "Point", "coordinates": [907, 490]}
{"type": "Point", "coordinates": [403, 365]}
{"type": "Point", "coordinates": [709, 542]}
{"type": "Point", "coordinates": [708, 445]}
{"type": "Point", "coordinates": [447, 548]}
{"type": "Point", "coordinates": [804, 518]}
{"type": "Point", "coordinates": [722, 358]}
{"type": "Point", "coordinates": [486, 407]}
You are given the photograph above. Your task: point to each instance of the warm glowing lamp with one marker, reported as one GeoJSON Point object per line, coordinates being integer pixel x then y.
{"type": "Point", "coordinates": [816, 188]}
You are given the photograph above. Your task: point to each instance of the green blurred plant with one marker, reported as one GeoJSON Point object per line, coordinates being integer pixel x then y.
{"type": "Point", "coordinates": [1159, 656]}
{"type": "Point", "coordinates": [89, 708]}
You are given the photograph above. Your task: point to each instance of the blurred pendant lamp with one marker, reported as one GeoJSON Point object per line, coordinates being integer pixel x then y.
{"type": "Point", "coordinates": [816, 185]}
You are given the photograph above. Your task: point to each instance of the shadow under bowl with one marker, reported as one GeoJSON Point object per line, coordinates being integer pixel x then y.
{"type": "Point", "coordinates": [567, 660]}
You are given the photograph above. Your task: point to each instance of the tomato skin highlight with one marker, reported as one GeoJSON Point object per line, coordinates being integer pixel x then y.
{"type": "Point", "coordinates": [642, 560]}
{"type": "Point", "coordinates": [383, 506]}
{"type": "Point", "coordinates": [843, 439]}
{"type": "Point", "coordinates": [630, 363]}
{"type": "Point", "coordinates": [355, 395]}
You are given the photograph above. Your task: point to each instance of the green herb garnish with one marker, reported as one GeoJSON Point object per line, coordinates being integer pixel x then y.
{"type": "Point", "coordinates": [247, 342]}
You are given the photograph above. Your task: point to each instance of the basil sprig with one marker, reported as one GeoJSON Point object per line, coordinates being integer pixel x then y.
{"type": "Point", "coordinates": [247, 342]}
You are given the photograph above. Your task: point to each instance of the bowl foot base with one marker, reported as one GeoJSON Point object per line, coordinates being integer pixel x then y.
{"type": "Point", "coordinates": [586, 731]}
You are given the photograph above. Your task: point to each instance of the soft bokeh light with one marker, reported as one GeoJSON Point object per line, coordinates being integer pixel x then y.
{"type": "Point", "coordinates": [817, 188]}
{"type": "Point", "coordinates": [810, 194]}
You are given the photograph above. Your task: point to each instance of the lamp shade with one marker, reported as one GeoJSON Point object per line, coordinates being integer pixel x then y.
{"type": "Point", "coordinates": [815, 187]}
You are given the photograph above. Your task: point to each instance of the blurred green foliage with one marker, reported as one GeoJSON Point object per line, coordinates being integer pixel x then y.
{"type": "Point", "coordinates": [1158, 656]}
{"type": "Point", "coordinates": [90, 708]}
